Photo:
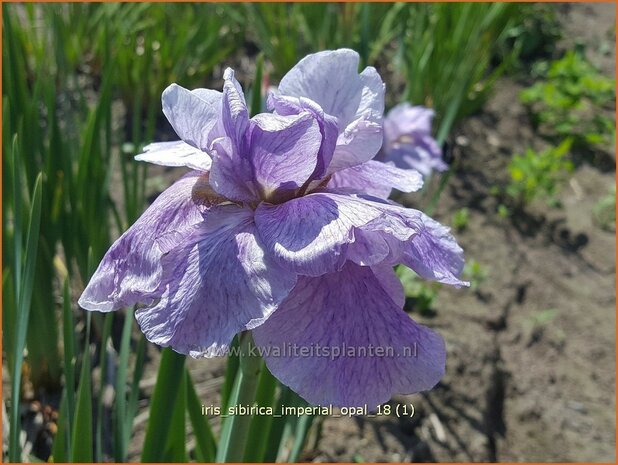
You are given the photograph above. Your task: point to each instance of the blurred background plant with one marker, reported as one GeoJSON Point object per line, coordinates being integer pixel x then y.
{"type": "Point", "coordinates": [81, 96]}
{"type": "Point", "coordinates": [572, 99]}
{"type": "Point", "coordinates": [539, 175]}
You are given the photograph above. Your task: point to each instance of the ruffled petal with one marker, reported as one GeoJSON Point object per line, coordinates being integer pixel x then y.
{"type": "Point", "coordinates": [130, 271]}
{"type": "Point", "coordinates": [234, 116]}
{"type": "Point", "coordinates": [316, 234]}
{"type": "Point", "coordinates": [377, 178]}
{"type": "Point", "coordinates": [332, 348]}
{"type": "Point", "coordinates": [231, 175]}
{"type": "Point", "coordinates": [279, 155]}
{"type": "Point", "coordinates": [408, 142]}
{"type": "Point", "coordinates": [284, 105]}
{"type": "Point", "coordinates": [309, 235]}
{"type": "Point", "coordinates": [220, 282]}
{"type": "Point", "coordinates": [176, 153]}
{"type": "Point", "coordinates": [359, 142]}
{"type": "Point", "coordinates": [371, 106]}
{"type": "Point", "coordinates": [283, 152]}
{"type": "Point", "coordinates": [193, 114]}
{"type": "Point", "coordinates": [329, 78]}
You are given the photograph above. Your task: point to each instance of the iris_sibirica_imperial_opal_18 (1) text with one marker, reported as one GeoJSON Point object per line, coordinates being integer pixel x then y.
{"type": "Point", "coordinates": [282, 226]}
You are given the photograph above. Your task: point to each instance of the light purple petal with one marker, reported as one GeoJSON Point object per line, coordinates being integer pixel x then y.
{"type": "Point", "coordinates": [130, 271]}
{"type": "Point", "coordinates": [235, 116]}
{"type": "Point", "coordinates": [408, 142]}
{"type": "Point", "coordinates": [220, 282]}
{"type": "Point", "coordinates": [309, 235]}
{"type": "Point", "coordinates": [434, 253]}
{"type": "Point", "coordinates": [377, 178]}
{"type": "Point", "coordinates": [279, 155]}
{"type": "Point", "coordinates": [382, 351]}
{"type": "Point", "coordinates": [176, 153]}
{"type": "Point", "coordinates": [284, 105]}
{"type": "Point", "coordinates": [359, 142]}
{"type": "Point", "coordinates": [405, 119]}
{"type": "Point", "coordinates": [318, 233]}
{"type": "Point", "coordinates": [231, 175]}
{"type": "Point", "coordinates": [329, 78]}
{"type": "Point", "coordinates": [391, 283]}
{"type": "Point", "coordinates": [371, 106]}
{"type": "Point", "coordinates": [421, 153]}
{"type": "Point", "coordinates": [283, 151]}
{"type": "Point", "coordinates": [192, 114]}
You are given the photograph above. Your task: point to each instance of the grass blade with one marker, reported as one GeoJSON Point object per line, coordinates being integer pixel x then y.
{"type": "Point", "coordinates": [82, 429]}
{"type": "Point", "coordinates": [121, 443]}
{"type": "Point", "coordinates": [69, 357]}
{"type": "Point", "coordinates": [24, 299]}
{"type": "Point", "coordinates": [206, 446]}
{"type": "Point", "coordinates": [261, 424]}
{"type": "Point", "coordinates": [169, 381]}
{"type": "Point", "coordinates": [175, 450]}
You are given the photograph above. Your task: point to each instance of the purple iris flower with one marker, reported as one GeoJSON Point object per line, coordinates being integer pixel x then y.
{"type": "Point", "coordinates": [283, 228]}
{"type": "Point", "coordinates": [408, 142]}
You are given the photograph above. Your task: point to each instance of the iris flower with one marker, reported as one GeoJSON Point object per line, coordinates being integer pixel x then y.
{"type": "Point", "coordinates": [408, 142]}
{"type": "Point", "coordinates": [282, 227]}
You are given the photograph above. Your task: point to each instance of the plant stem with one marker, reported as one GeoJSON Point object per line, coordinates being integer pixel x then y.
{"type": "Point", "coordinates": [234, 432]}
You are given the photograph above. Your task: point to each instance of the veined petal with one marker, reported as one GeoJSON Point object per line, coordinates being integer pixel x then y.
{"type": "Point", "coordinates": [318, 233]}
{"type": "Point", "coordinates": [220, 282]}
{"type": "Point", "coordinates": [130, 271]}
{"type": "Point", "coordinates": [371, 106]}
{"type": "Point", "coordinates": [193, 114]}
{"type": "Point", "coordinates": [235, 116]}
{"type": "Point", "coordinates": [359, 142]}
{"type": "Point", "coordinates": [283, 151]}
{"type": "Point", "coordinates": [377, 178]}
{"type": "Point", "coordinates": [332, 349]}
{"type": "Point", "coordinates": [176, 153]}
{"type": "Point", "coordinates": [329, 78]}
{"type": "Point", "coordinates": [231, 175]}
{"type": "Point", "coordinates": [284, 105]}
{"type": "Point", "coordinates": [309, 235]}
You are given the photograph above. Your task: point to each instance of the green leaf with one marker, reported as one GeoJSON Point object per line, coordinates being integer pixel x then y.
{"type": "Point", "coordinates": [107, 330]}
{"type": "Point", "coordinates": [24, 298]}
{"type": "Point", "coordinates": [82, 437]}
{"type": "Point", "coordinates": [121, 443]}
{"type": "Point", "coordinates": [69, 356]}
{"type": "Point", "coordinates": [175, 449]}
{"type": "Point", "coordinates": [138, 371]}
{"type": "Point", "coordinates": [261, 424]}
{"type": "Point", "coordinates": [61, 447]}
{"type": "Point", "coordinates": [235, 428]}
{"type": "Point", "coordinates": [169, 381]}
{"type": "Point", "coordinates": [230, 375]}
{"type": "Point", "coordinates": [206, 446]}
{"type": "Point", "coordinates": [275, 436]}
